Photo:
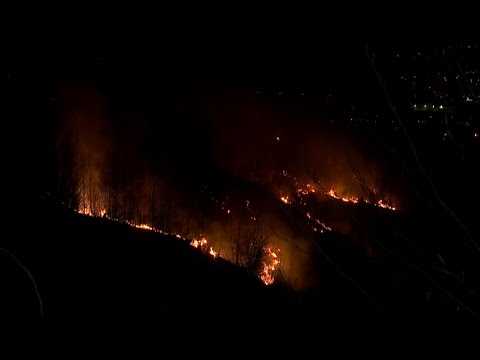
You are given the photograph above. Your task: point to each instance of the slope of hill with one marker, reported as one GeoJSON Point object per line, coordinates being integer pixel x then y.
{"type": "Point", "coordinates": [93, 269]}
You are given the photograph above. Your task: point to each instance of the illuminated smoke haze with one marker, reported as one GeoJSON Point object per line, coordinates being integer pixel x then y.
{"type": "Point", "coordinates": [205, 162]}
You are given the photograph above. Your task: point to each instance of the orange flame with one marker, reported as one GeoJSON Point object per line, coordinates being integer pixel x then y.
{"type": "Point", "coordinates": [269, 266]}
{"type": "Point", "coordinates": [285, 199]}
{"type": "Point", "coordinates": [382, 204]}
{"type": "Point", "coordinates": [198, 243]}
{"type": "Point", "coordinates": [143, 226]}
{"type": "Point", "coordinates": [352, 199]}
{"type": "Point", "coordinates": [213, 252]}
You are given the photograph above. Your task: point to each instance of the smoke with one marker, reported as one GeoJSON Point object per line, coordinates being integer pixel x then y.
{"type": "Point", "coordinates": [205, 163]}
{"type": "Point", "coordinates": [255, 136]}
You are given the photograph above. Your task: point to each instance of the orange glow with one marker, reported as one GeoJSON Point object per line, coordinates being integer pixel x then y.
{"type": "Point", "coordinates": [269, 266]}
{"type": "Point", "coordinates": [195, 243]}
{"type": "Point", "coordinates": [198, 243]}
{"type": "Point", "coordinates": [332, 193]}
{"type": "Point", "coordinates": [382, 204]}
{"type": "Point", "coordinates": [285, 199]}
{"type": "Point", "coordinates": [272, 260]}
{"type": "Point", "coordinates": [213, 252]}
{"type": "Point", "coordinates": [143, 226]}
{"type": "Point", "coordinates": [323, 225]}
{"type": "Point", "coordinates": [352, 199]}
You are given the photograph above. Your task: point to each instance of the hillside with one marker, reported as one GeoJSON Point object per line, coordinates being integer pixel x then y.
{"type": "Point", "coordinates": [93, 269]}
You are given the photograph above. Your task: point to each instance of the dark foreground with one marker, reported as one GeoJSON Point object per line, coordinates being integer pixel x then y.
{"type": "Point", "coordinates": [92, 270]}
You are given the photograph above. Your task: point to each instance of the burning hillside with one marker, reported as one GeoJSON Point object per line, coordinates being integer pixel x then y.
{"type": "Point", "coordinates": [270, 263]}
{"type": "Point", "coordinates": [217, 197]}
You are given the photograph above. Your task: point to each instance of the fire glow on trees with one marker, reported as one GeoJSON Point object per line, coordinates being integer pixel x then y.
{"type": "Point", "coordinates": [304, 195]}
{"type": "Point", "coordinates": [125, 169]}
{"type": "Point", "coordinates": [269, 265]}
{"type": "Point", "coordinates": [354, 200]}
{"type": "Point", "coordinates": [307, 189]}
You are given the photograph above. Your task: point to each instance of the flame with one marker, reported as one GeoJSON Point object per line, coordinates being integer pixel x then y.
{"type": "Point", "coordinates": [195, 243]}
{"type": "Point", "coordinates": [198, 243]}
{"type": "Point", "coordinates": [85, 211]}
{"type": "Point", "coordinates": [201, 244]}
{"type": "Point", "coordinates": [382, 204]}
{"type": "Point", "coordinates": [352, 199]}
{"type": "Point", "coordinates": [213, 252]}
{"type": "Point", "coordinates": [285, 199]}
{"type": "Point", "coordinates": [269, 266]}
{"type": "Point", "coordinates": [309, 190]}
{"type": "Point", "coordinates": [143, 226]}
{"type": "Point", "coordinates": [323, 225]}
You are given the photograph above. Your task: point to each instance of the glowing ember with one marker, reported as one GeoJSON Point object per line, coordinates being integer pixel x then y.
{"type": "Point", "coordinates": [195, 243]}
{"type": "Point", "coordinates": [305, 191]}
{"type": "Point", "coordinates": [85, 211]}
{"type": "Point", "coordinates": [198, 243]}
{"type": "Point", "coordinates": [143, 226]}
{"type": "Point", "coordinates": [285, 199]}
{"type": "Point", "coordinates": [269, 266]}
{"type": "Point", "coordinates": [381, 203]}
{"type": "Point", "coordinates": [201, 244]}
{"type": "Point", "coordinates": [323, 225]}
{"type": "Point", "coordinates": [213, 252]}
{"type": "Point", "coordinates": [333, 193]}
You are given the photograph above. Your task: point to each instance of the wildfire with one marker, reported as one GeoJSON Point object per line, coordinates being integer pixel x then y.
{"type": "Point", "coordinates": [85, 211]}
{"type": "Point", "coordinates": [333, 193]}
{"type": "Point", "coordinates": [269, 266]}
{"type": "Point", "coordinates": [381, 203]}
{"type": "Point", "coordinates": [306, 191]}
{"type": "Point", "coordinates": [213, 252]}
{"type": "Point", "coordinates": [198, 243]}
{"type": "Point", "coordinates": [143, 226]}
{"type": "Point", "coordinates": [323, 225]}
{"type": "Point", "coordinates": [285, 199]}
